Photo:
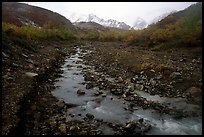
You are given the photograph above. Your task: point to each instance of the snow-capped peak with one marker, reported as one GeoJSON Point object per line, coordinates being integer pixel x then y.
{"type": "Point", "coordinates": [94, 18]}
{"type": "Point", "coordinates": [140, 23]}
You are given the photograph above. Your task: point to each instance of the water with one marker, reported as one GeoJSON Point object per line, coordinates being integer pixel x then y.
{"type": "Point", "coordinates": [112, 109]}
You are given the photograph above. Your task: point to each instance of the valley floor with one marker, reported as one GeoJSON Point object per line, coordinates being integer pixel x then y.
{"type": "Point", "coordinates": [29, 107]}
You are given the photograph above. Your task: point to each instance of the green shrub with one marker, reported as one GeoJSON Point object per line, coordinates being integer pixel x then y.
{"type": "Point", "coordinates": [22, 43]}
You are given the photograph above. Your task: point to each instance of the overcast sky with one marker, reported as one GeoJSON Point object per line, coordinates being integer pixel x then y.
{"type": "Point", "coordinates": [121, 11]}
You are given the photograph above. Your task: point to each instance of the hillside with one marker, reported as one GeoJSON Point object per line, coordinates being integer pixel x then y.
{"type": "Point", "coordinates": [24, 14]}
{"type": "Point", "coordinates": [180, 29]}
{"type": "Point", "coordinates": [188, 17]}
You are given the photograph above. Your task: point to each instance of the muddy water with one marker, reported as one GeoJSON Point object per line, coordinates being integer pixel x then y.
{"type": "Point", "coordinates": [113, 109]}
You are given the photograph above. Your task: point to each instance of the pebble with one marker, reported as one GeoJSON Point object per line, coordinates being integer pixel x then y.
{"type": "Point", "coordinates": [103, 95]}
{"type": "Point", "coordinates": [5, 55]}
{"type": "Point", "coordinates": [175, 74]}
{"type": "Point", "coordinates": [24, 55]}
{"type": "Point", "coordinates": [31, 74]}
{"type": "Point", "coordinates": [52, 122]}
{"type": "Point", "coordinates": [80, 92]}
{"type": "Point", "coordinates": [60, 104]}
{"type": "Point", "coordinates": [30, 61]}
{"type": "Point", "coordinates": [62, 128]}
{"type": "Point", "coordinates": [90, 116]}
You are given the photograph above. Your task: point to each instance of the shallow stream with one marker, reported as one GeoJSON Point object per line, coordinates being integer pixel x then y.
{"type": "Point", "coordinates": [112, 109]}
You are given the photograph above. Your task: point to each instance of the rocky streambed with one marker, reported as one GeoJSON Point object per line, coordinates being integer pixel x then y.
{"type": "Point", "coordinates": [93, 102]}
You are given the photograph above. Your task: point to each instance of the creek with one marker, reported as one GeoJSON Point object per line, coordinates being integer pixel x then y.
{"type": "Point", "coordinates": [111, 108]}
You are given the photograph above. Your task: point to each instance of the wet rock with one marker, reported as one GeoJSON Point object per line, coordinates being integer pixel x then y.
{"type": "Point", "coordinates": [62, 128]}
{"type": "Point", "coordinates": [142, 72]}
{"type": "Point", "coordinates": [74, 128]}
{"type": "Point", "coordinates": [69, 66]}
{"type": "Point", "coordinates": [52, 122]}
{"type": "Point", "coordinates": [90, 85]}
{"type": "Point", "coordinates": [152, 70]}
{"type": "Point", "coordinates": [98, 93]}
{"type": "Point", "coordinates": [119, 80]}
{"type": "Point", "coordinates": [89, 77]}
{"type": "Point", "coordinates": [141, 120]}
{"type": "Point", "coordinates": [30, 61]}
{"type": "Point", "coordinates": [33, 107]}
{"type": "Point", "coordinates": [31, 74]}
{"type": "Point", "coordinates": [80, 66]}
{"type": "Point", "coordinates": [131, 87]}
{"type": "Point", "coordinates": [103, 95]}
{"type": "Point", "coordinates": [159, 77]}
{"type": "Point", "coordinates": [60, 104]}
{"type": "Point", "coordinates": [80, 92]}
{"type": "Point", "coordinates": [175, 74]}
{"type": "Point", "coordinates": [14, 65]}
{"type": "Point", "coordinates": [24, 55]}
{"type": "Point", "coordinates": [133, 79]}
{"type": "Point", "coordinates": [130, 125]}
{"type": "Point", "coordinates": [153, 82]}
{"type": "Point", "coordinates": [5, 55]}
{"type": "Point", "coordinates": [139, 86]}
{"type": "Point", "coordinates": [194, 93]}
{"type": "Point", "coordinates": [89, 116]}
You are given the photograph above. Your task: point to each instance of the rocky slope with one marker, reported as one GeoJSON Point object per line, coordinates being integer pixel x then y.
{"type": "Point", "coordinates": [24, 14]}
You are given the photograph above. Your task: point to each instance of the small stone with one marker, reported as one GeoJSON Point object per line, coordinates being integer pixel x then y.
{"type": "Point", "coordinates": [195, 93]}
{"type": "Point", "coordinates": [130, 125]}
{"type": "Point", "coordinates": [159, 77]}
{"type": "Point", "coordinates": [30, 61]}
{"type": "Point", "coordinates": [80, 66]}
{"type": "Point", "coordinates": [60, 104]}
{"type": "Point", "coordinates": [30, 74]}
{"type": "Point", "coordinates": [24, 55]}
{"type": "Point", "coordinates": [175, 74]}
{"type": "Point", "coordinates": [33, 107]}
{"type": "Point", "coordinates": [153, 82]}
{"type": "Point", "coordinates": [152, 70]}
{"type": "Point", "coordinates": [103, 95]}
{"type": "Point", "coordinates": [80, 92]}
{"type": "Point", "coordinates": [141, 120]}
{"type": "Point", "coordinates": [119, 80]}
{"type": "Point", "coordinates": [5, 55]}
{"type": "Point", "coordinates": [14, 65]}
{"type": "Point", "coordinates": [139, 86]}
{"type": "Point", "coordinates": [62, 128]}
{"type": "Point", "coordinates": [90, 116]}
{"type": "Point", "coordinates": [52, 122]}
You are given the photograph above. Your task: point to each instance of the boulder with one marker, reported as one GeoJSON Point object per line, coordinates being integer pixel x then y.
{"type": "Point", "coordinates": [194, 93]}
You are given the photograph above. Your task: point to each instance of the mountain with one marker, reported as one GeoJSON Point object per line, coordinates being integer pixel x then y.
{"type": "Point", "coordinates": [90, 25]}
{"type": "Point", "coordinates": [94, 18]}
{"type": "Point", "coordinates": [188, 18]}
{"type": "Point", "coordinates": [139, 23]}
{"type": "Point", "coordinates": [24, 14]}
{"type": "Point", "coordinates": [160, 17]}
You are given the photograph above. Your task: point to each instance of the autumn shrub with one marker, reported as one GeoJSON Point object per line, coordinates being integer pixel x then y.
{"type": "Point", "coordinates": [31, 32]}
